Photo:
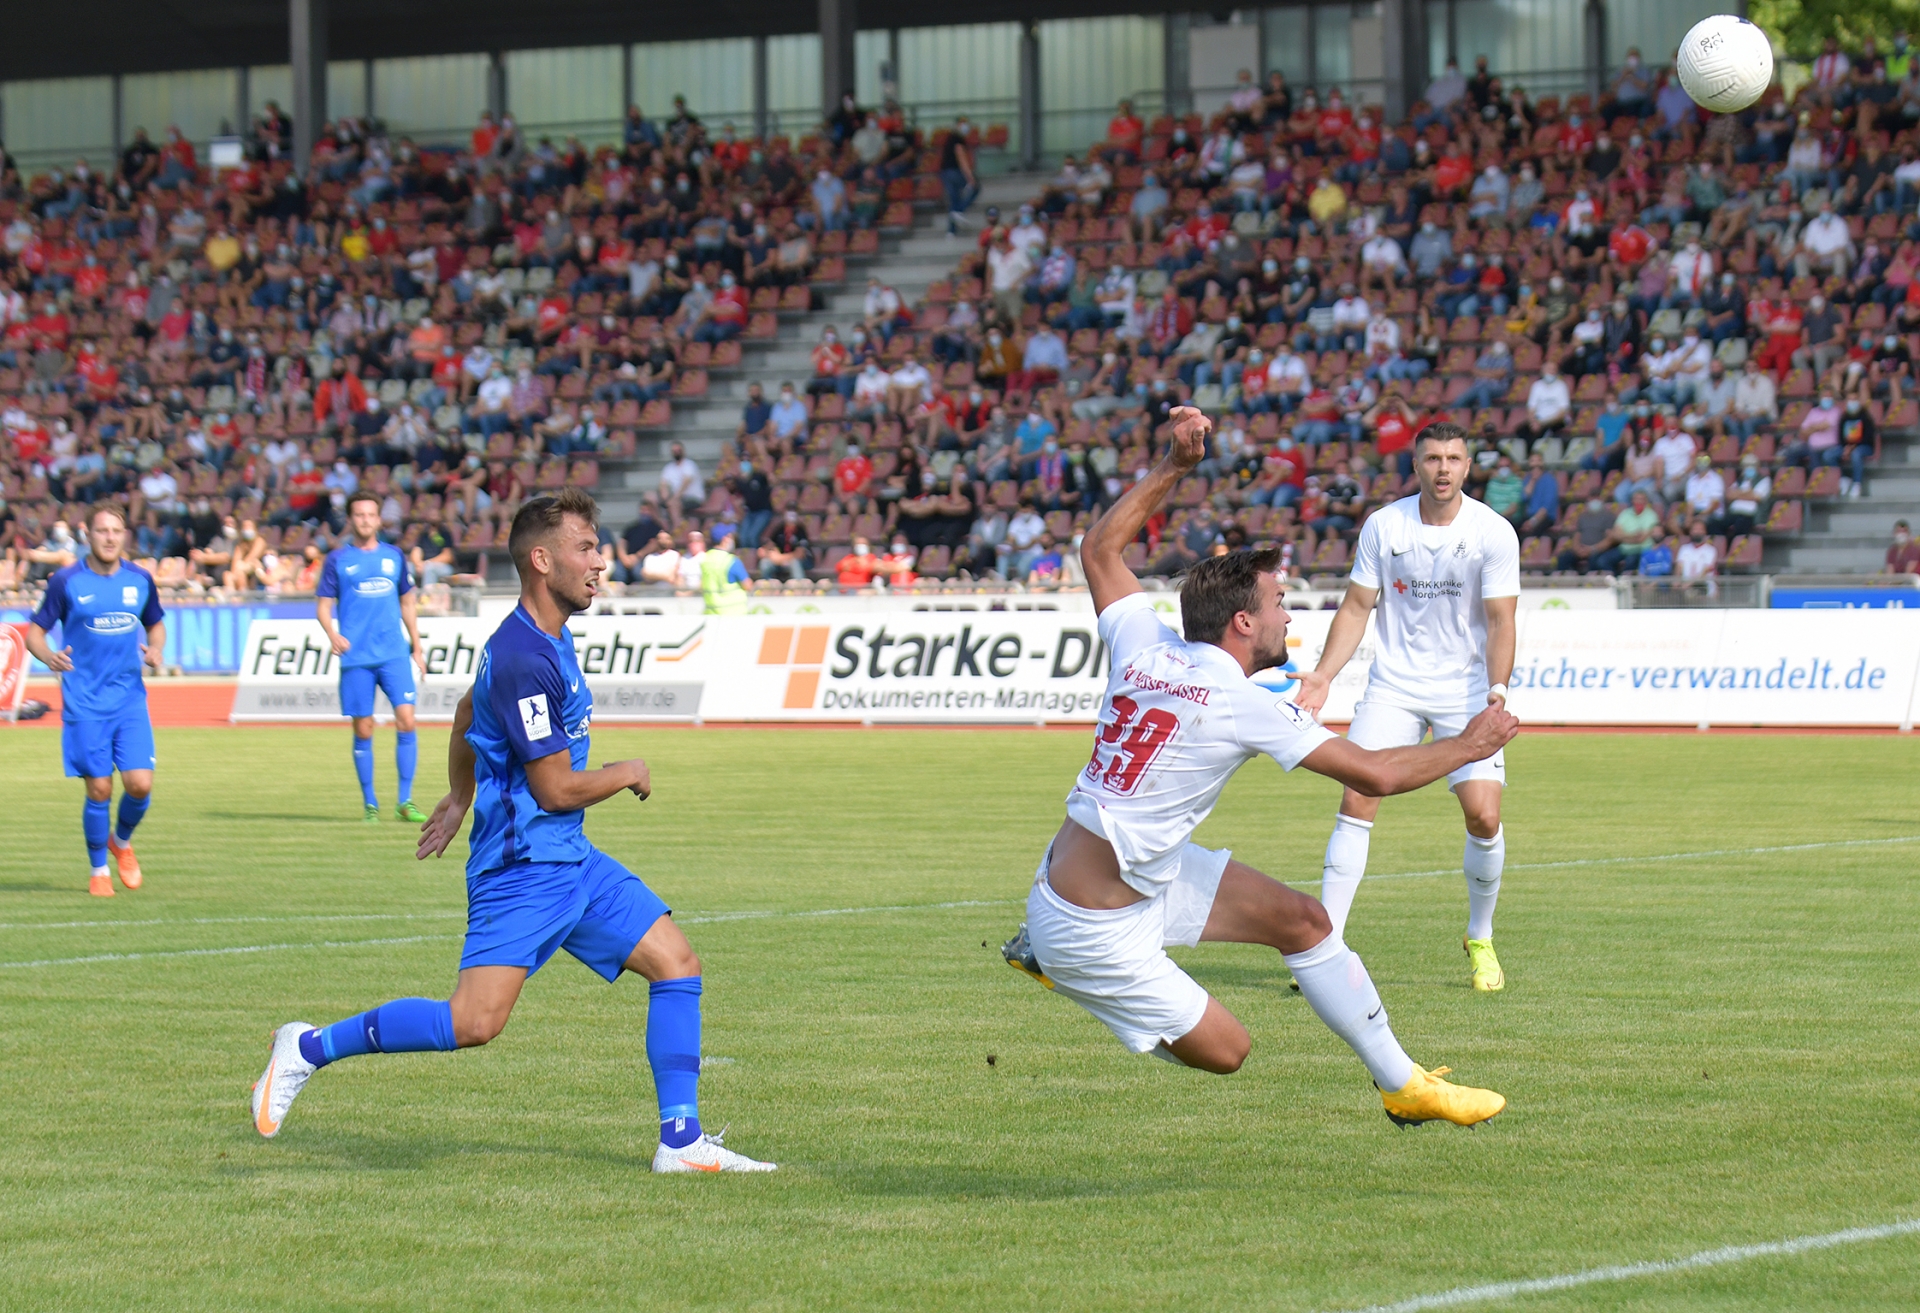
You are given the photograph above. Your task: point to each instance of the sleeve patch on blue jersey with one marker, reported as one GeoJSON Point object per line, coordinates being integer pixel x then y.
{"type": "Point", "coordinates": [534, 717]}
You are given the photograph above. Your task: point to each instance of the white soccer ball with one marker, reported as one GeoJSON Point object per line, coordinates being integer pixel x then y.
{"type": "Point", "coordinates": [1725, 63]}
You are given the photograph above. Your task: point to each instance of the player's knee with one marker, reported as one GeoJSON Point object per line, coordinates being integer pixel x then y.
{"type": "Point", "coordinates": [137, 788]}
{"type": "Point", "coordinates": [100, 790]}
{"type": "Point", "coordinates": [1483, 820]}
{"type": "Point", "coordinates": [477, 1027]}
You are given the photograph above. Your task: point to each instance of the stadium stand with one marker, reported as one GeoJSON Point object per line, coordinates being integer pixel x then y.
{"type": "Point", "coordinates": [1722, 314]}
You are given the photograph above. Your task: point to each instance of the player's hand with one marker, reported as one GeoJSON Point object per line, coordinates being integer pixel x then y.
{"type": "Point", "coordinates": [1311, 696]}
{"type": "Point", "coordinates": [340, 643]}
{"type": "Point", "coordinates": [442, 828]}
{"type": "Point", "coordinates": [60, 662]}
{"type": "Point", "coordinates": [420, 658]}
{"type": "Point", "coordinates": [1490, 731]}
{"type": "Point", "coordinates": [642, 784]}
{"type": "Point", "coordinates": [1190, 429]}
{"type": "Point", "coordinates": [154, 657]}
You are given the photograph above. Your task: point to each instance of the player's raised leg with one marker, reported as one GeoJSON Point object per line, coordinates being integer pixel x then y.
{"type": "Point", "coordinates": [1251, 908]}
{"type": "Point", "coordinates": [1483, 859]}
{"type": "Point", "coordinates": [136, 794]}
{"type": "Point", "coordinates": [475, 1014]}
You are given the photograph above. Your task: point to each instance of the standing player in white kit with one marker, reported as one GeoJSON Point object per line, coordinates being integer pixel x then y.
{"type": "Point", "coordinates": [1445, 570]}
{"type": "Point", "coordinates": [1121, 881]}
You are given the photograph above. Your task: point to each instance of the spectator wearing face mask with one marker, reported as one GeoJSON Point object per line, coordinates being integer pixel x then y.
{"type": "Point", "coordinates": [786, 549]}
{"type": "Point", "coordinates": [1903, 554]}
{"type": "Point", "coordinates": [1859, 443]}
{"type": "Point", "coordinates": [1746, 500]}
{"type": "Point", "coordinates": [1697, 557]}
{"type": "Point", "coordinates": [1818, 442]}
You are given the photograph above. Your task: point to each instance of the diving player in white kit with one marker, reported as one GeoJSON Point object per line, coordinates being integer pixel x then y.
{"type": "Point", "coordinates": [1445, 572]}
{"type": "Point", "coordinates": [1121, 880]}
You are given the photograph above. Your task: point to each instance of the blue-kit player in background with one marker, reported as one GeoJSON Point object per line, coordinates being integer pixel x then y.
{"type": "Point", "coordinates": [111, 624]}
{"type": "Point", "coordinates": [518, 760]}
{"type": "Point", "coordinates": [377, 638]}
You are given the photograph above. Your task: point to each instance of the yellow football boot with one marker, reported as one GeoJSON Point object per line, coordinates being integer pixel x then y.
{"type": "Point", "coordinates": [1488, 978]}
{"type": "Point", "coordinates": [1427, 1098]}
{"type": "Point", "coordinates": [1019, 955]}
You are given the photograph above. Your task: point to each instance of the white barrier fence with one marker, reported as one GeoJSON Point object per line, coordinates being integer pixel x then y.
{"type": "Point", "coordinates": [1575, 668]}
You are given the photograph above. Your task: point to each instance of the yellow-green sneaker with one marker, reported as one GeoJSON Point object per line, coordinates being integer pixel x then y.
{"type": "Point", "coordinates": [1488, 978]}
{"type": "Point", "coordinates": [372, 814]}
{"type": "Point", "coordinates": [406, 811]}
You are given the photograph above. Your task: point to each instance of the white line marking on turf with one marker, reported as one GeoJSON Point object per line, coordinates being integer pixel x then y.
{"type": "Point", "coordinates": [1858, 1235]}
{"type": "Point", "coordinates": [220, 952]}
{"type": "Point", "coordinates": [718, 918]}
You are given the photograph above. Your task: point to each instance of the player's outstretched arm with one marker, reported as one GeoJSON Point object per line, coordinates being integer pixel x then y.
{"type": "Point", "coordinates": [59, 662]}
{"type": "Point", "coordinates": [451, 812]}
{"type": "Point", "coordinates": [558, 787]}
{"type": "Point", "coordinates": [1343, 638]}
{"type": "Point", "coordinates": [1402, 770]}
{"type": "Point", "coordinates": [1108, 577]}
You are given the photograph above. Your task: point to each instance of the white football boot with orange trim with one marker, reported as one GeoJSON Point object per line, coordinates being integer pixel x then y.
{"type": "Point", "coordinates": [285, 1076]}
{"type": "Point", "coordinates": [707, 1154]}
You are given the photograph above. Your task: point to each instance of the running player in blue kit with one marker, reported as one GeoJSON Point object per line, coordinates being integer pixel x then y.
{"type": "Point", "coordinates": [111, 623]}
{"type": "Point", "coordinates": [377, 639]}
{"type": "Point", "coordinates": [518, 759]}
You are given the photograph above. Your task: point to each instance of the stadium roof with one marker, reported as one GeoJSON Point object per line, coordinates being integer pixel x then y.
{"type": "Point", "coordinates": [137, 36]}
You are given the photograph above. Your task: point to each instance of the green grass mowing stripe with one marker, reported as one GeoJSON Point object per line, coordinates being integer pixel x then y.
{"type": "Point", "coordinates": [1500, 1290]}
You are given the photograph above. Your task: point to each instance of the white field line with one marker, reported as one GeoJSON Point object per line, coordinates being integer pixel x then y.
{"type": "Point", "coordinates": [723, 917]}
{"type": "Point", "coordinates": [1500, 1290]}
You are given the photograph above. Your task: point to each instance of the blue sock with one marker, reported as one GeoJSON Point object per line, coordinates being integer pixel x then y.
{"type": "Point", "coordinates": [406, 1025]}
{"type": "Point", "coordinates": [363, 767]}
{"type": "Point", "coordinates": [673, 1051]}
{"type": "Point", "coordinates": [132, 811]}
{"type": "Point", "coordinates": [406, 756]}
{"type": "Point", "coordinates": [95, 820]}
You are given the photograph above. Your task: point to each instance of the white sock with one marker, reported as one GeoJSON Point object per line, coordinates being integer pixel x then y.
{"type": "Point", "coordinates": [1346, 863]}
{"type": "Point", "coordinates": [1483, 861]}
{"type": "Point", "coordinates": [1336, 986]}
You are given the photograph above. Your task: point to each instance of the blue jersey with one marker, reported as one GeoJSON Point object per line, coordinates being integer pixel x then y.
{"type": "Point", "coordinates": [529, 702]}
{"type": "Point", "coordinates": [104, 618]}
{"type": "Point", "coordinates": [367, 587]}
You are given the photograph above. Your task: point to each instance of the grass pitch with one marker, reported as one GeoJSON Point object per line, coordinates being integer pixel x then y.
{"type": "Point", "coordinates": [1700, 1051]}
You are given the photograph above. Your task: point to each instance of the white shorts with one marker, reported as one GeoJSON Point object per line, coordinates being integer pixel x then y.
{"type": "Point", "coordinates": [1115, 964]}
{"type": "Point", "coordinates": [1380, 725]}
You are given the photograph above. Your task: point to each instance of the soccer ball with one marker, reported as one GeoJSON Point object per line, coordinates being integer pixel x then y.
{"type": "Point", "coordinates": [1725, 63]}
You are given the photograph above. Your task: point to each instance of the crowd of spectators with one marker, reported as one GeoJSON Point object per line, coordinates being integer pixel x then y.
{"type": "Point", "coordinates": [228, 354]}
{"type": "Point", "coordinates": [1664, 329]}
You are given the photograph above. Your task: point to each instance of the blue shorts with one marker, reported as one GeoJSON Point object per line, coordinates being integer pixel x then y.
{"type": "Point", "coordinates": [95, 749]}
{"type": "Point", "coordinates": [597, 910]}
{"type": "Point", "coordinates": [394, 677]}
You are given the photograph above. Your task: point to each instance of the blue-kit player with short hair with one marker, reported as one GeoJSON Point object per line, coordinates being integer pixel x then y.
{"type": "Point", "coordinates": [377, 639]}
{"type": "Point", "coordinates": [111, 625]}
{"type": "Point", "coordinates": [518, 760]}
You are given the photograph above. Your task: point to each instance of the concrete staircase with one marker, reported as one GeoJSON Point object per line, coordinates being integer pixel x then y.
{"type": "Point", "coordinates": [908, 261]}
{"type": "Point", "coordinates": [1850, 537]}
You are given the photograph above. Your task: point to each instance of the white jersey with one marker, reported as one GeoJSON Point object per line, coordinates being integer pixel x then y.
{"type": "Point", "coordinates": [1178, 720]}
{"type": "Point", "coordinates": [1430, 628]}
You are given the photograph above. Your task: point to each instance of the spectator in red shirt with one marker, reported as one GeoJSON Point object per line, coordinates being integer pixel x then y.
{"type": "Point", "coordinates": [725, 317]}
{"type": "Point", "coordinates": [854, 474]}
{"type": "Point", "coordinates": [338, 398]}
{"type": "Point", "coordinates": [1167, 323]}
{"type": "Point", "coordinates": [830, 361]}
{"type": "Point", "coordinates": [1903, 557]}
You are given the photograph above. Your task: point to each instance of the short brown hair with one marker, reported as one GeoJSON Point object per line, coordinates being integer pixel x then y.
{"type": "Point", "coordinates": [361, 495]}
{"type": "Point", "coordinates": [1441, 432]}
{"type": "Point", "coordinates": [107, 508]}
{"type": "Point", "coordinates": [1220, 587]}
{"type": "Point", "coordinates": [537, 519]}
